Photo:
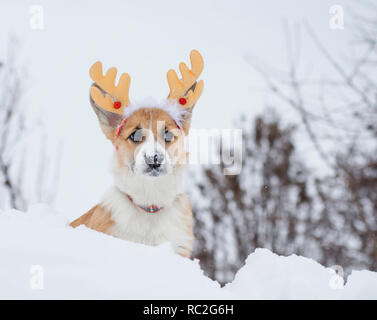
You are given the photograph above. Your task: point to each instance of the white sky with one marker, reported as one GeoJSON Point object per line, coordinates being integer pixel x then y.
{"type": "Point", "coordinates": [145, 39]}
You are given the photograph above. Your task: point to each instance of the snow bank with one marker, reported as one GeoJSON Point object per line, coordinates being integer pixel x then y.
{"type": "Point", "coordinates": [42, 257]}
{"type": "Point", "coordinates": [269, 276]}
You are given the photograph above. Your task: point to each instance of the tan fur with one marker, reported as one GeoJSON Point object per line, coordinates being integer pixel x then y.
{"type": "Point", "coordinates": [97, 219]}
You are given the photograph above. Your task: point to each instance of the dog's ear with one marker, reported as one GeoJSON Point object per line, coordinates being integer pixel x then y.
{"type": "Point", "coordinates": [107, 99]}
{"type": "Point", "coordinates": [109, 121]}
{"type": "Point", "coordinates": [187, 91]}
{"type": "Point", "coordinates": [186, 119]}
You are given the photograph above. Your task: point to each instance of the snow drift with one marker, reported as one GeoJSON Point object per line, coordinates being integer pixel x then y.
{"type": "Point", "coordinates": [42, 257]}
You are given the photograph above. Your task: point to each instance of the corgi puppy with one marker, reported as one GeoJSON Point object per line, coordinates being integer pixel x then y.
{"type": "Point", "coordinates": [146, 203]}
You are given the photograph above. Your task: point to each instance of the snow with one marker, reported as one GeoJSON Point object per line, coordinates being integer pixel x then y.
{"type": "Point", "coordinates": [42, 257]}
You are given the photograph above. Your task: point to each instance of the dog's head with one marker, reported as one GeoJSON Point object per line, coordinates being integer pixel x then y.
{"type": "Point", "coordinates": [148, 137]}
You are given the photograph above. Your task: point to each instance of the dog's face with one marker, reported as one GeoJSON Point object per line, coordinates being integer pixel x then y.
{"type": "Point", "coordinates": [150, 144]}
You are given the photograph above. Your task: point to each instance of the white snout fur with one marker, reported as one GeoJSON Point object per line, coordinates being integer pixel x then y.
{"type": "Point", "coordinates": [149, 148]}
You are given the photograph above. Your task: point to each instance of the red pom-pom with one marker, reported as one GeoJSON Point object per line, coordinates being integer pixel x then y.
{"type": "Point", "coordinates": [117, 104]}
{"type": "Point", "coordinates": [182, 101]}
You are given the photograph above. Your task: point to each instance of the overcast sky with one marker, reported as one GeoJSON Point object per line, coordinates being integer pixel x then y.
{"type": "Point", "coordinates": [145, 39]}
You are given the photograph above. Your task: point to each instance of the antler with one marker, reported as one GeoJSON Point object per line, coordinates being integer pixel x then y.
{"type": "Point", "coordinates": [105, 93]}
{"type": "Point", "coordinates": [187, 91]}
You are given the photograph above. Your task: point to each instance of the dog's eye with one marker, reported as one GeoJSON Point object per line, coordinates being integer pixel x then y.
{"type": "Point", "coordinates": [136, 136]}
{"type": "Point", "coordinates": [168, 136]}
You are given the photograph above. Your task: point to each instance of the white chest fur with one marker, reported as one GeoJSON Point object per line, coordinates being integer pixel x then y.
{"type": "Point", "coordinates": [131, 223]}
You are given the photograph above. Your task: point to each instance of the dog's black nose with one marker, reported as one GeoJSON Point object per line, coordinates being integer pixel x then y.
{"type": "Point", "coordinates": [154, 161]}
{"type": "Point", "coordinates": [156, 164]}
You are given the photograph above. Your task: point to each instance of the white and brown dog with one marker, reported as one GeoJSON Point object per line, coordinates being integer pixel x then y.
{"type": "Point", "coordinates": [146, 204]}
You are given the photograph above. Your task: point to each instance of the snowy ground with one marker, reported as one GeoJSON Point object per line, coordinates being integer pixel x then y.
{"type": "Point", "coordinates": [42, 257]}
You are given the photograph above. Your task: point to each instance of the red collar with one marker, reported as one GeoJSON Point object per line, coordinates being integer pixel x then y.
{"type": "Point", "coordinates": [149, 209]}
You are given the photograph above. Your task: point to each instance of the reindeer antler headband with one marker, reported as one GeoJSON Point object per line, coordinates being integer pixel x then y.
{"type": "Point", "coordinates": [114, 98]}
{"type": "Point", "coordinates": [187, 91]}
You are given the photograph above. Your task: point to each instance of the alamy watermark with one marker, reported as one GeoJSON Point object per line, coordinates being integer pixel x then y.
{"type": "Point", "coordinates": [336, 281]}
{"type": "Point", "coordinates": [36, 281]}
{"type": "Point", "coordinates": [336, 21]}
{"type": "Point", "coordinates": [201, 146]}
{"type": "Point", "coordinates": [36, 21]}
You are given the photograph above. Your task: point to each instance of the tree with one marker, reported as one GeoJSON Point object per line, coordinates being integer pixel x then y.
{"type": "Point", "coordinates": [21, 181]}
{"type": "Point", "coordinates": [338, 111]}
{"type": "Point", "coordinates": [267, 205]}
{"type": "Point", "coordinates": [277, 201]}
